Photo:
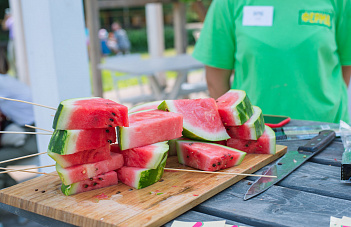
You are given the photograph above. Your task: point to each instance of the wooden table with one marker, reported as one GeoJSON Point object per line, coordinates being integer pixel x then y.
{"type": "Point", "coordinates": [307, 197]}
{"type": "Point", "coordinates": [133, 66]}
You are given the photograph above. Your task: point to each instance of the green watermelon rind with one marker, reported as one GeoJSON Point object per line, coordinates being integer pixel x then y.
{"type": "Point", "coordinates": [160, 148]}
{"type": "Point", "coordinates": [256, 124]}
{"type": "Point", "coordinates": [69, 189]}
{"type": "Point", "coordinates": [191, 131]}
{"type": "Point", "coordinates": [132, 109]}
{"type": "Point", "coordinates": [242, 109]}
{"type": "Point", "coordinates": [61, 142]}
{"type": "Point", "coordinates": [147, 177]}
{"type": "Point", "coordinates": [63, 111]}
{"type": "Point", "coordinates": [180, 156]}
{"type": "Point", "coordinates": [271, 134]}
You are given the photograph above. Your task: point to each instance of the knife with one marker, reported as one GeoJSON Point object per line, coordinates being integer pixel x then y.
{"type": "Point", "coordinates": [303, 132]}
{"type": "Point", "coordinates": [289, 162]}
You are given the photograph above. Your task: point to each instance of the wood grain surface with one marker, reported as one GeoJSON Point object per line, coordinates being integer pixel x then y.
{"type": "Point", "coordinates": [121, 205]}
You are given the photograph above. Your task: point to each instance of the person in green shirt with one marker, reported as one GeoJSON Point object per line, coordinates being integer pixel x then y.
{"type": "Point", "coordinates": [292, 58]}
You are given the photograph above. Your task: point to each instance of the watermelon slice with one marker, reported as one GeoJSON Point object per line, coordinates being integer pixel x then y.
{"type": "Point", "coordinates": [207, 156]}
{"type": "Point", "coordinates": [78, 173]}
{"type": "Point", "coordinates": [99, 181]}
{"type": "Point", "coordinates": [201, 120]}
{"type": "Point", "coordinates": [264, 145]}
{"type": "Point", "coordinates": [149, 127]}
{"type": "Point", "coordinates": [82, 157]}
{"type": "Point", "coordinates": [250, 130]}
{"type": "Point", "coordinates": [149, 156]}
{"type": "Point", "coordinates": [65, 142]}
{"type": "Point", "coordinates": [145, 106]}
{"type": "Point", "coordinates": [88, 113]}
{"type": "Point", "coordinates": [141, 177]}
{"type": "Point", "coordinates": [234, 107]}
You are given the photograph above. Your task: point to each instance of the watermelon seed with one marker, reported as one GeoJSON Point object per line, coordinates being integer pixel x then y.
{"type": "Point", "coordinates": [109, 125]}
{"type": "Point", "coordinates": [36, 190]}
{"type": "Point", "coordinates": [107, 130]}
{"type": "Point", "coordinates": [85, 186]}
{"type": "Point", "coordinates": [100, 178]}
{"type": "Point", "coordinates": [187, 156]}
{"type": "Point", "coordinates": [231, 158]}
{"type": "Point", "coordinates": [42, 191]}
{"type": "Point", "coordinates": [95, 183]}
{"type": "Point", "coordinates": [91, 179]}
{"type": "Point", "coordinates": [118, 192]}
{"type": "Point", "coordinates": [111, 119]}
{"type": "Point", "coordinates": [96, 169]}
{"type": "Point", "coordinates": [131, 189]}
{"type": "Point", "coordinates": [113, 114]}
{"type": "Point", "coordinates": [246, 145]}
{"type": "Point", "coordinates": [214, 165]}
{"type": "Point", "coordinates": [110, 141]}
{"type": "Point", "coordinates": [219, 163]}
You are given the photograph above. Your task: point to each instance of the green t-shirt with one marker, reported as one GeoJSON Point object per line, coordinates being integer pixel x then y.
{"type": "Point", "coordinates": [287, 55]}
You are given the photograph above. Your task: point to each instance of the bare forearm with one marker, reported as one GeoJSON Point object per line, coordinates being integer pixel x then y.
{"type": "Point", "coordinates": [218, 81]}
{"type": "Point", "coordinates": [346, 74]}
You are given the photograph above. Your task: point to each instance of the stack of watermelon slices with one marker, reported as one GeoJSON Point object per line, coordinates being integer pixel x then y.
{"type": "Point", "coordinates": [244, 124]}
{"type": "Point", "coordinates": [80, 144]}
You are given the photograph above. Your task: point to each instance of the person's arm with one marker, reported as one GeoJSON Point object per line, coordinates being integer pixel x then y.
{"type": "Point", "coordinates": [346, 74]}
{"type": "Point", "coordinates": [218, 81]}
{"type": "Point", "coordinates": [3, 23]}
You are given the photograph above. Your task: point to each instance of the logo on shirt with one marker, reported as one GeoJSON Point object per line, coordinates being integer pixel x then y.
{"type": "Point", "coordinates": [315, 18]}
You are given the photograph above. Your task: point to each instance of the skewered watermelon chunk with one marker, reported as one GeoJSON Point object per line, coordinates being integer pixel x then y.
{"type": "Point", "coordinates": [65, 142]}
{"type": "Point", "coordinates": [234, 107]}
{"type": "Point", "coordinates": [149, 156]}
{"type": "Point", "coordinates": [99, 181]}
{"type": "Point", "coordinates": [207, 156]}
{"type": "Point", "coordinates": [78, 173]}
{"type": "Point", "coordinates": [145, 106]}
{"type": "Point", "coordinates": [264, 145]}
{"type": "Point", "coordinates": [88, 113]}
{"type": "Point", "coordinates": [250, 130]}
{"type": "Point", "coordinates": [82, 157]}
{"type": "Point", "coordinates": [141, 177]}
{"type": "Point", "coordinates": [201, 120]}
{"type": "Point", "coordinates": [149, 127]}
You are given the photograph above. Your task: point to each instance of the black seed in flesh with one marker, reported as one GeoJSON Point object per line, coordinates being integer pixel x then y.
{"type": "Point", "coordinates": [111, 119]}
{"type": "Point", "coordinates": [187, 156]}
{"type": "Point", "coordinates": [231, 158]}
{"type": "Point", "coordinates": [110, 126]}
{"type": "Point", "coordinates": [107, 130]}
{"type": "Point", "coordinates": [95, 183]}
{"type": "Point", "coordinates": [113, 114]}
{"type": "Point", "coordinates": [85, 186]}
{"type": "Point", "coordinates": [246, 145]}
{"type": "Point", "coordinates": [219, 163]}
{"type": "Point", "coordinates": [214, 165]}
{"type": "Point", "coordinates": [100, 178]}
{"type": "Point", "coordinates": [110, 141]}
{"type": "Point", "coordinates": [91, 179]}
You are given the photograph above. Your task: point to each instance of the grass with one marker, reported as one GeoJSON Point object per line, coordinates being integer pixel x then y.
{"type": "Point", "coordinates": [107, 81]}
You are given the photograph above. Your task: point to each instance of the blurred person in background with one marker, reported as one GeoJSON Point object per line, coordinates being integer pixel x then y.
{"type": "Point", "coordinates": [123, 43]}
{"type": "Point", "coordinates": [291, 58]}
{"type": "Point", "coordinates": [7, 25]}
{"type": "Point", "coordinates": [14, 116]}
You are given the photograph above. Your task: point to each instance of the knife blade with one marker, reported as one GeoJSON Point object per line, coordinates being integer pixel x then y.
{"type": "Point", "coordinates": [303, 132]}
{"type": "Point", "coordinates": [289, 162]}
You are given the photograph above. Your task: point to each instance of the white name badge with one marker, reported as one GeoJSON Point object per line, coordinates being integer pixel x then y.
{"type": "Point", "coordinates": [258, 16]}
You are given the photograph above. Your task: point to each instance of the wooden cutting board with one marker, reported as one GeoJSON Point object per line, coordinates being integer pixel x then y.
{"type": "Point", "coordinates": [121, 205]}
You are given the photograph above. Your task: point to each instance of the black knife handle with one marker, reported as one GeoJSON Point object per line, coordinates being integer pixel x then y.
{"type": "Point", "coordinates": [319, 142]}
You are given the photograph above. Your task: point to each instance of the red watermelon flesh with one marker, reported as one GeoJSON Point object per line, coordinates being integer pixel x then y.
{"type": "Point", "coordinates": [88, 113]}
{"type": "Point", "coordinates": [266, 144]}
{"type": "Point", "coordinates": [173, 145]}
{"type": "Point", "coordinates": [149, 156]}
{"type": "Point", "coordinates": [149, 127]}
{"type": "Point", "coordinates": [201, 120]}
{"type": "Point", "coordinates": [207, 156]}
{"type": "Point", "coordinates": [82, 157]}
{"type": "Point", "coordinates": [65, 142]}
{"type": "Point", "coordinates": [78, 173]}
{"type": "Point", "coordinates": [100, 181]}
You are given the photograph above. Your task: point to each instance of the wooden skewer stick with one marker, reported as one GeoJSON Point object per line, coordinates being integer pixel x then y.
{"type": "Point", "coordinates": [30, 126]}
{"type": "Point", "coordinates": [224, 173]}
{"type": "Point", "coordinates": [25, 171]}
{"type": "Point", "coordinates": [16, 100]}
{"type": "Point", "coordinates": [27, 156]}
{"type": "Point", "coordinates": [37, 133]}
{"type": "Point", "coordinates": [17, 170]}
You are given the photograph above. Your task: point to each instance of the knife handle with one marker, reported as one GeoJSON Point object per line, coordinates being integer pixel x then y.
{"type": "Point", "coordinates": [319, 142]}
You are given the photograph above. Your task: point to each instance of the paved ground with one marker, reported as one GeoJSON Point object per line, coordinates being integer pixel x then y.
{"type": "Point", "coordinates": [11, 220]}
